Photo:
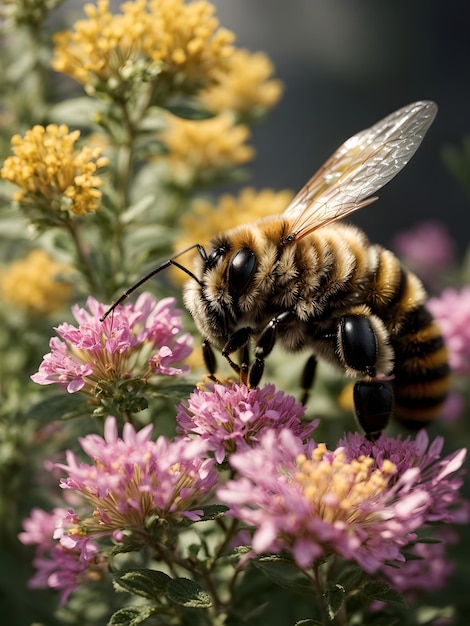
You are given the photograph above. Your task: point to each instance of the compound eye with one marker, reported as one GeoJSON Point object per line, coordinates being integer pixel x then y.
{"type": "Point", "coordinates": [241, 269]}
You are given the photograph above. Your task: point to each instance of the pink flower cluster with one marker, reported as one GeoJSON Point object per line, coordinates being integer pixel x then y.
{"type": "Point", "coordinates": [60, 566]}
{"type": "Point", "coordinates": [136, 341]}
{"type": "Point", "coordinates": [234, 418]}
{"type": "Point", "coordinates": [132, 478]}
{"type": "Point", "coordinates": [363, 501]}
{"type": "Point", "coordinates": [452, 310]}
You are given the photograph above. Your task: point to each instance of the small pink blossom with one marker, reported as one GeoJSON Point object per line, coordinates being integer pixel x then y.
{"type": "Point", "coordinates": [426, 249]}
{"type": "Point", "coordinates": [60, 565]}
{"type": "Point", "coordinates": [452, 310]}
{"type": "Point", "coordinates": [134, 478]}
{"type": "Point", "coordinates": [136, 342]}
{"type": "Point", "coordinates": [234, 418]}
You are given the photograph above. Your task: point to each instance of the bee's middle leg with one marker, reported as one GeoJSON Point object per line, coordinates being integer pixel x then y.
{"type": "Point", "coordinates": [358, 349]}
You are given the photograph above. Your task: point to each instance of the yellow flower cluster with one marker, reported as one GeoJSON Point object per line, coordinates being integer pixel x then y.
{"type": "Point", "coordinates": [52, 173]}
{"type": "Point", "coordinates": [199, 147]}
{"type": "Point", "coordinates": [174, 37]}
{"type": "Point", "coordinates": [245, 87]}
{"type": "Point", "coordinates": [31, 283]}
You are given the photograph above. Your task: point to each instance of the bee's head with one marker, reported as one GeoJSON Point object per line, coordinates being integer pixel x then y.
{"type": "Point", "coordinates": [225, 277]}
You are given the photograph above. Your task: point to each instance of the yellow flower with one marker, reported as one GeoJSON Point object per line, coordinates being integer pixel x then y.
{"type": "Point", "coordinates": [52, 173]}
{"type": "Point", "coordinates": [246, 87]}
{"type": "Point", "coordinates": [32, 283]}
{"type": "Point", "coordinates": [346, 400]}
{"type": "Point", "coordinates": [199, 148]}
{"type": "Point", "coordinates": [205, 220]}
{"type": "Point", "coordinates": [146, 38]}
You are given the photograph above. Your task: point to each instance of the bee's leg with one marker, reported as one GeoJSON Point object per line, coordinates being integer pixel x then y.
{"type": "Point", "coordinates": [237, 341]}
{"type": "Point", "coordinates": [373, 403]}
{"type": "Point", "coordinates": [244, 365]}
{"type": "Point", "coordinates": [265, 344]}
{"type": "Point", "coordinates": [308, 378]}
{"type": "Point", "coordinates": [209, 359]}
{"type": "Point", "coordinates": [358, 349]}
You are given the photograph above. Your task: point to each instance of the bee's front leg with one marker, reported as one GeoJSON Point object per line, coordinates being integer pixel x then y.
{"type": "Point", "coordinates": [238, 341]}
{"type": "Point", "coordinates": [265, 344]}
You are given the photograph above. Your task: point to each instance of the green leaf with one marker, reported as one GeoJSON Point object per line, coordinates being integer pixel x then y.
{"type": "Point", "coordinates": [213, 511]}
{"type": "Point", "coordinates": [308, 622]}
{"type": "Point", "coordinates": [334, 598]}
{"type": "Point", "coordinates": [186, 592]}
{"type": "Point", "coordinates": [75, 111]}
{"type": "Point", "coordinates": [131, 616]}
{"type": "Point", "coordinates": [188, 110]}
{"type": "Point", "coordinates": [377, 590]}
{"type": "Point", "coordinates": [144, 582]}
{"type": "Point", "coordinates": [63, 406]}
{"type": "Point", "coordinates": [284, 573]}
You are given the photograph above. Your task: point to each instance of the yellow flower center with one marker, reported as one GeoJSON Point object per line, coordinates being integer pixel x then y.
{"type": "Point", "coordinates": [337, 487]}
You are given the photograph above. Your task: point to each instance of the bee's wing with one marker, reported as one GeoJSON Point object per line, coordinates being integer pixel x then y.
{"type": "Point", "coordinates": [359, 168]}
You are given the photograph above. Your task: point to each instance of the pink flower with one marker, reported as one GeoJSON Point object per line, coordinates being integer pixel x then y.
{"type": "Point", "coordinates": [427, 249]}
{"type": "Point", "coordinates": [60, 567]}
{"type": "Point", "coordinates": [312, 502]}
{"type": "Point", "coordinates": [429, 570]}
{"type": "Point", "coordinates": [452, 310]}
{"type": "Point", "coordinates": [134, 343]}
{"type": "Point", "coordinates": [441, 478]}
{"type": "Point", "coordinates": [234, 418]}
{"type": "Point", "coordinates": [133, 479]}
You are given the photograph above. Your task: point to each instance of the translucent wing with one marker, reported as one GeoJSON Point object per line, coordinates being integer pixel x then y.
{"type": "Point", "coordinates": [359, 168]}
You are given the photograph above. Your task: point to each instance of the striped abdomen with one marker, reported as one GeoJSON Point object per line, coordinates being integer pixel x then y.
{"type": "Point", "coordinates": [421, 371]}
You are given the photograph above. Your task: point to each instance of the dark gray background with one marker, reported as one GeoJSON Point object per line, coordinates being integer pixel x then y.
{"type": "Point", "coordinates": [347, 63]}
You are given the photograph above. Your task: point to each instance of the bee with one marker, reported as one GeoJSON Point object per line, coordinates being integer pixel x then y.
{"type": "Point", "coordinates": [307, 281]}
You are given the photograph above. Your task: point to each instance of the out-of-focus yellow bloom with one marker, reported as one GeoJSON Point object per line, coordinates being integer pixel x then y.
{"type": "Point", "coordinates": [170, 36]}
{"type": "Point", "coordinates": [32, 283]}
{"type": "Point", "coordinates": [345, 399]}
{"type": "Point", "coordinates": [246, 87]}
{"type": "Point", "coordinates": [205, 220]}
{"type": "Point", "coordinates": [198, 147]}
{"type": "Point", "coordinates": [52, 173]}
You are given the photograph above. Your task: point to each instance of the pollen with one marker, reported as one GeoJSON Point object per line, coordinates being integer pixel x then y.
{"type": "Point", "coordinates": [337, 487]}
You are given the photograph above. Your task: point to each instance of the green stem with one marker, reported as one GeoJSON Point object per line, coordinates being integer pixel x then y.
{"type": "Point", "coordinates": [82, 256]}
{"type": "Point", "coordinates": [317, 584]}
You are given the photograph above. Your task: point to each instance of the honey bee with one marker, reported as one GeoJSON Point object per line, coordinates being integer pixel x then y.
{"type": "Point", "coordinates": [308, 282]}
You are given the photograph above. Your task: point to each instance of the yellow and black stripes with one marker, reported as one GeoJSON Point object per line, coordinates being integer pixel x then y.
{"type": "Point", "coordinates": [421, 373]}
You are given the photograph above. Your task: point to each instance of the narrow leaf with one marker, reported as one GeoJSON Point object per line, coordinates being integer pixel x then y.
{"type": "Point", "coordinates": [335, 598]}
{"type": "Point", "coordinates": [377, 590]}
{"type": "Point", "coordinates": [131, 616]}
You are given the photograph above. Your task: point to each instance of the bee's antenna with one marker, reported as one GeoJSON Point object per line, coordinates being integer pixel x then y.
{"type": "Point", "coordinates": [157, 270]}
